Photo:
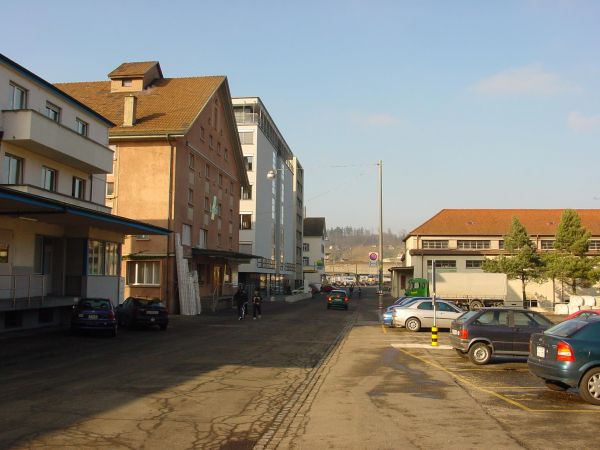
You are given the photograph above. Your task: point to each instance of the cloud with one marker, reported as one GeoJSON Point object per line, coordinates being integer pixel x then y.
{"type": "Point", "coordinates": [382, 120]}
{"type": "Point", "coordinates": [581, 124]}
{"type": "Point", "coordinates": [527, 80]}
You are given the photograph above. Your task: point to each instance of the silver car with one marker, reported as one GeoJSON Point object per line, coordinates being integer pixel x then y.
{"type": "Point", "coordinates": [419, 315]}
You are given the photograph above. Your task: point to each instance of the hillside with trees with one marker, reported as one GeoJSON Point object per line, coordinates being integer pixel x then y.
{"type": "Point", "coordinates": [352, 244]}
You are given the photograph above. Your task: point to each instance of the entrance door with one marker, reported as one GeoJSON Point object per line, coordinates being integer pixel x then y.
{"type": "Point", "coordinates": [218, 280]}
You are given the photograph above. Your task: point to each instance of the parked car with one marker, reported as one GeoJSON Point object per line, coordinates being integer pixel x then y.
{"type": "Point", "coordinates": [568, 355]}
{"type": "Point", "coordinates": [388, 314]}
{"type": "Point", "coordinates": [338, 298]}
{"type": "Point", "coordinates": [485, 332]}
{"type": "Point", "coordinates": [137, 311]}
{"type": "Point", "coordinates": [94, 314]}
{"type": "Point", "coordinates": [419, 314]}
{"type": "Point", "coordinates": [583, 314]}
{"type": "Point", "coordinates": [326, 288]}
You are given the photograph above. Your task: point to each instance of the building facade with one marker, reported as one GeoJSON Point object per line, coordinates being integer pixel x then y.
{"type": "Point", "coordinates": [177, 164]}
{"type": "Point", "coordinates": [271, 209]}
{"type": "Point", "coordinates": [313, 250]}
{"type": "Point", "coordinates": [58, 239]}
{"type": "Point", "coordinates": [459, 240]}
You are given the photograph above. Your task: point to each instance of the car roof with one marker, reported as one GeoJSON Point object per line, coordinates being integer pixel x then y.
{"type": "Point", "coordinates": [338, 290]}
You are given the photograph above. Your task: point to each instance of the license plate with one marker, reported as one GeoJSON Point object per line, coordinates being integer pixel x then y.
{"type": "Point", "coordinates": [92, 316]}
{"type": "Point", "coordinates": [455, 332]}
{"type": "Point", "coordinates": [152, 319]}
{"type": "Point", "coordinates": [541, 352]}
{"type": "Point", "coordinates": [151, 312]}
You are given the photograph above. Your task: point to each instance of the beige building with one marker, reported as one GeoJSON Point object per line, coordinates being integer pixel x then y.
{"type": "Point", "coordinates": [459, 240]}
{"type": "Point", "coordinates": [177, 164]}
{"type": "Point", "coordinates": [313, 250]}
{"type": "Point", "coordinates": [58, 239]}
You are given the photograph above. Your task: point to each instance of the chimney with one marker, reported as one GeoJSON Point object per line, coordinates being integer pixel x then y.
{"type": "Point", "coordinates": [129, 111]}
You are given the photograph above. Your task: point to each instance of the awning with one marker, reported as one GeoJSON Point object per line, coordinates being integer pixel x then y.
{"type": "Point", "coordinates": [36, 208]}
{"type": "Point", "coordinates": [402, 270]}
{"type": "Point", "coordinates": [241, 257]}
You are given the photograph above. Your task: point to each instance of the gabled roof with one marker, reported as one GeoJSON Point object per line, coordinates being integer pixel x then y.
{"type": "Point", "coordinates": [134, 69]}
{"type": "Point", "coordinates": [45, 84]}
{"type": "Point", "coordinates": [169, 105]}
{"type": "Point", "coordinates": [314, 226]}
{"type": "Point", "coordinates": [496, 222]}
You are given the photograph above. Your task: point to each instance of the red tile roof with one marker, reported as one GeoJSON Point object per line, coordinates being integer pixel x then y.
{"type": "Point", "coordinates": [133, 69]}
{"type": "Point", "coordinates": [496, 222]}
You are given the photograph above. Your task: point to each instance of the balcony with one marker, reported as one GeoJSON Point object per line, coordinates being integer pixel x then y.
{"type": "Point", "coordinates": [34, 190]}
{"type": "Point", "coordinates": [246, 118]}
{"type": "Point", "coordinates": [34, 131]}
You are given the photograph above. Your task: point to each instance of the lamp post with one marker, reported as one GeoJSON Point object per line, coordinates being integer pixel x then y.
{"type": "Point", "coordinates": [272, 175]}
{"type": "Point", "coordinates": [380, 259]}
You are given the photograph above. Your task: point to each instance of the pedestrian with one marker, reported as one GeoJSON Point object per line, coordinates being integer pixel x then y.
{"type": "Point", "coordinates": [256, 304]}
{"type": "Point", "coordinates": [241, 301]}
{"type": "Point", "coordinates": [351, 290]}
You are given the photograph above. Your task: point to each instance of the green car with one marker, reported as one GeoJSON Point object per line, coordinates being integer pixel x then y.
{"type": "Point", "coordinates": [337, 299]}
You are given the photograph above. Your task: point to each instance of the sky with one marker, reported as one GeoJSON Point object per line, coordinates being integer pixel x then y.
{"type": "Point", "coordinates": [469, 104]}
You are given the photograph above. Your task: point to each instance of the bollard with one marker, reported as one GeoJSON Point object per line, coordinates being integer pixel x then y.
{"type": "Point", "coordinates": [434, 341]}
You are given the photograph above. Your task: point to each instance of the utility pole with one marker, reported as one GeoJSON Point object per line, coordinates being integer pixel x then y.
{"type": "Point", "coordinates": [380, 259]}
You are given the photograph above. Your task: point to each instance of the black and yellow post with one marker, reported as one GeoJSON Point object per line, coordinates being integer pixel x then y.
{"type": "Point", "coordinates": [434, 341]}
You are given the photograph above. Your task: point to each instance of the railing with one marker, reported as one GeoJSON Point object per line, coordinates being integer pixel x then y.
{"type": "Point", "coordinates": [289, 267]}
{"type": "Point", "coordinates": [13, 287]}
{"type": "Point", "coordinates": [264, 263]}
{"type": "Point", "coordinates": [245, 117]}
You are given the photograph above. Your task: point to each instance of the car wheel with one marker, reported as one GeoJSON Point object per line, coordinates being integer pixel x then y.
{"type": "Point", "coordinates": [475, 305]}
{"type": "Point", "coordinates": [163, 327]}
{"type": "Point", "coordinates": [589, 386]}
{"type": "Point", "coordinates": [413, 324]}
{"type": "Point", "coordinates": [480, 353]}
{"type": "Point", "coordinates": [556, 385]}
{"type": "Point", "coordinates": [460, 353]}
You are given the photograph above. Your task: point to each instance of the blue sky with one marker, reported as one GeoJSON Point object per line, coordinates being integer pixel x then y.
{"type": "Point", "coordinates": [469, 104]}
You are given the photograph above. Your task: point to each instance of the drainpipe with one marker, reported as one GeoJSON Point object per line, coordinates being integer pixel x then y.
{"type": "Point", "coordinates": [170, 218]}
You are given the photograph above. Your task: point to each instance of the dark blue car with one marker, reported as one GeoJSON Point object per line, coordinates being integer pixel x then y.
{"type": "Point", "coordinates": [94, 314]}
{"type": "Point", "coordinates": [568, 355]}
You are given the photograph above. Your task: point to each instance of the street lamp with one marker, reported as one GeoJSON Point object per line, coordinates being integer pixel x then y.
{"type": "Point", "coordinates": [380, 259]}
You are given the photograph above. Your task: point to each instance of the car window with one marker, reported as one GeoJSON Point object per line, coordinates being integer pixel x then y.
{"type": "Point", "coordinates": [589, 332]}
{"type": "Point", "coordinates": [94, 303]}
{"type": "Point", "coordinates": [567, 328]}
{"type": "Point", "coordinates": [441, 306]}
{"type": "Point", "coordinates": [425, 305]}
{"type": "Point", "coordinates": [493, 318]}
{"type": "Point", "coordinates": [540, 319]}
{"type": "Point", "coordinates": [525, 319]}
{"type": "Point", "coordinates": [466, 316]}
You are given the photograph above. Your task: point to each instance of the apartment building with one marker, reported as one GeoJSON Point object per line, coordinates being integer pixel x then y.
{"type": "Point", "coordinates": [58, 239]}
{"type": "Point", "coordinates": [313, 249]}
{"type": "Point", "coordinates": [271, 209]}
{"type": "Point", "coordinates": [177, 164]}
{"type": "Point", "coordinates": [459, 240]}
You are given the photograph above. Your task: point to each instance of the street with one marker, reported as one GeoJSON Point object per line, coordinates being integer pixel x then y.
{"type": "Point", "coordinates": [302, 377]}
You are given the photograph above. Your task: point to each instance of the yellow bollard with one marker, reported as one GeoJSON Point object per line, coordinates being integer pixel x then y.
{"type": "Point", "coordinates": [434, 341]}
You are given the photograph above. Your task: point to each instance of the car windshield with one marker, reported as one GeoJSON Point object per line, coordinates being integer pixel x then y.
{"type": "Point", "coordinates": [567, 328]}
{"type": "Point", "coordinates": [466, 316]}
{"type": "Point", "coordinates": [149, 302]}
{"type": "Point", "coordinates": [94, 303]}
{"type": "Point", "coordinates": [338, 294]}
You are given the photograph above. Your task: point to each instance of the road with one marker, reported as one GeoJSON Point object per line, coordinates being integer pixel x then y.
{"type": "Point", "coordinates": [302, 377]}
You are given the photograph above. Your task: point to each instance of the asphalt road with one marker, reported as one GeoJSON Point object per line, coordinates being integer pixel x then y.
{"type": "Point", "coordinates": [302, 377]}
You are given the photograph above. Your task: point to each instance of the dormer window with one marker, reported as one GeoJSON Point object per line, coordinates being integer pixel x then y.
{"type": "Point", "coordinates": [126, 83]}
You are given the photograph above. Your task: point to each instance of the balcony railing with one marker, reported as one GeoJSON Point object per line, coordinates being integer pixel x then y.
{"type": "Point", "coordinates": [18, 287]}
{"type": "Point", "coordinates": [264, 263]}
{"type": "Point", "coordinates": [246, 118]}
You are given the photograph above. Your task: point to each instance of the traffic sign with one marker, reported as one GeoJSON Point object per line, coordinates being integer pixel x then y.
{"type": "Point", "coordinates": [373, 256]}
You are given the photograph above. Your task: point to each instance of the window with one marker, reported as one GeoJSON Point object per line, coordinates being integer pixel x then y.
{"type": "Point", "coordinates": [527, 319]}
{"type": "Point", "coordinates": [186, 234]}
{"type": "Point", "coordinates": [126, 83]}
{"type": "Point", "coordinates": [428, 306]}
{"type": "Point", "coordinates": [248, 160]}
{"type": "Point", "coordinates": [594, 245]}
{"type": "Point", "coordinates": [12, 169]}
{"type": "Point", "coordinates": [247, 137]}
{"type": "Point", "coordinates": [49, 179]}
{"type": "Point", "coordinates": [443, 265]}
{"type": "Point", "coordinates": [247, 193]}
{"type": "Point", "coordinates": [82, 127]}
{"type": "Point", "coordinates": [203, 239]}
{"type": "Point", "coordinates": [493, 318]}
{"type": "Point", "coordinates": [103, 258]}
{"type": "Point", "coordinates": [245, 221]}
{"type": "Point", "coordinates": [3, 253]}
{"type": "Point", "coordinates": [142, 237]}
{"type": "Point", "coordinates": [202, 133]}
{"type": "Point", "coordinates": [474, 264]}
{"type": "Point", "coordinates": [442, 306]}
{"type": "Point", "coordinates": [430, 244]}
{"type": "Point", "coordinates": [191, 160]}
{"type": "Point", "coordinates": [206, 204]}
{"type": "Point", "coordinates": [473, 245]}
{"type": "Point", "coordinates": [501, 244]}
{"type": "Point", "coordinates": [306, 247]}
{"type": "Point", "coordinates": [547, 244]}
{"type": "Point", "coordinates": [207, 171]}
{"type": "Point", "coordinates": [53, 112]}
{"type": "Point", "coordinates": [78, 188]}
{"type": "Point", "coordinates": [210, 140]}
{"type": "Point", "coordinates": [218, 239]}
{"type": "Point", "coordinates": [191, 196]}
{"type": "Point", "coordinates": [143, 273]}
{"type": "Point", "coordinates": [305, 261]}
{"type": "Point", "coordinates": [110, 188]}
{"type": "Point", "coordinates": [18, 98]}
{"type": "Point", "coordinates": [218, 148]}
{"type": "Point", "coordinates": [220, 179]}
{"type": "Point", "coordinates": [226, 154]}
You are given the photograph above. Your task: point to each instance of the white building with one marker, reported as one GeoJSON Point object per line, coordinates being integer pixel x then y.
{"type": "Point", "coordinates": [271, 209]}
{"type": "Point", "coordinates": [58, 240]}
{"type": "Point", "coordinates": [313, 250]}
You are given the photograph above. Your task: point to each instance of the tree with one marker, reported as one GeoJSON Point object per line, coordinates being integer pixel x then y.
{"type": "Point", "coordinates": [571, 245]}
{"type": "Point", "coordinates": [521, 261]}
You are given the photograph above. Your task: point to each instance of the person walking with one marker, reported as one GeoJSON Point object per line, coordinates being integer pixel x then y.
{"type": "Point", "coordinates": [241, 300]}
{"type": "Point", "coordinates": [256, 304]}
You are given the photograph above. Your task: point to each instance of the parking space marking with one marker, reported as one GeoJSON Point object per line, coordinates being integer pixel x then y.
{"type": "Point", "coordinates": [493, 393]}
{"type": "Point", "coordinates": [427, 346]}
